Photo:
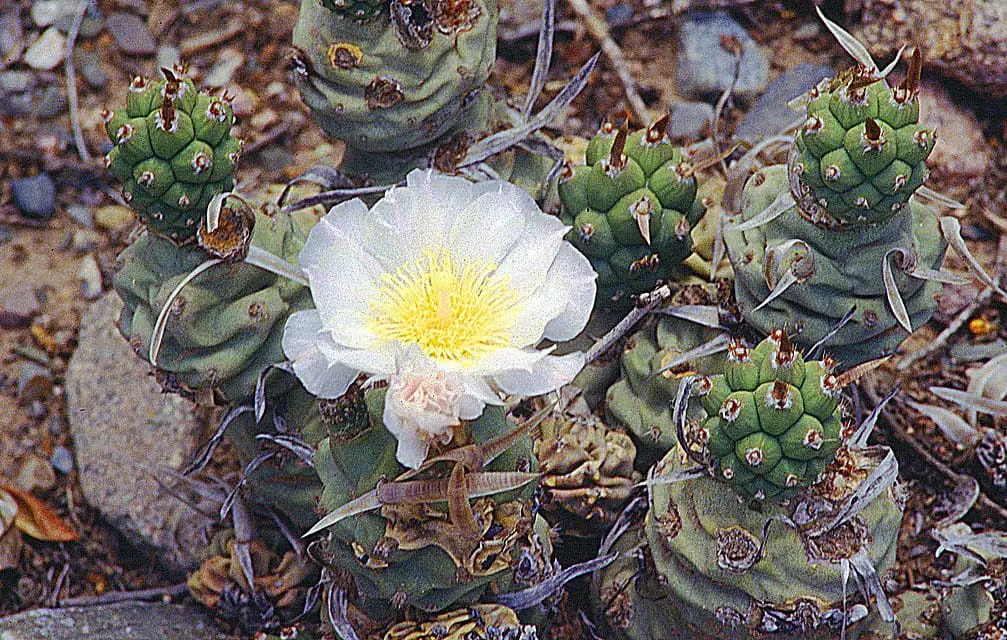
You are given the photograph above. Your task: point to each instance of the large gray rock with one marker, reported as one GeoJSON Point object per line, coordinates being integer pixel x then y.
{"type": "Point", "coordinates": [124, 621]}
{"type": "Point", "coordinates": [703, 67]}
{"type": "Point", "coordinates": [770, 113]}
{"type": "Point", "coordinates": [122, 424]}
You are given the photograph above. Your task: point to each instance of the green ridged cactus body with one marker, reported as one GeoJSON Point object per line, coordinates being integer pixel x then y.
{"type": "Point", "coordinates": [400, 80]}
{"type": "Point", "coordinates": [631, 206]}
{"type": "Point", "coordinates": [857, 160]}
{"type": "Point", "coordinates": [356, 10]}
{"type": "Point", "coordinates": [698, 574]}
{"type": "Point", "coordinates": [173, 153]}
{"type": "Point", "coordinates": [774, 420]}
{"type": "Point", "coordinates": [225, 325]}
{"type": "Point", "coordinates": [641, 400]}
{"type": "Point", "coordinates": [417, 554]}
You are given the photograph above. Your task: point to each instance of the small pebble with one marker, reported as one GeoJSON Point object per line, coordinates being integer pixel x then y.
{"type": "Point", "coordinates": [46, 53]}
{"type": "Point", "coordinates": [18, 305]}
{"type": "Point", "coordinates": [35, 475]}
{"type": "Point", "coordinates": [90, 278]}
{"type": "Point", "coordinates": [34, 383]}
{"type": "Point", "coordinates": [16, 81]}
{"type": "Point", "coordinates": [619, 14]}
{"type": "Point", "coordinates": [82, 214]}
{"type": "Point", "coordinates": [11, 36]}
{"type": "Point", "coordinates": [61, 459]}
{"type": "Point", "coordinates": [229, 61]}
{"type": "Point", "coordinates": [689, 119]}
{"type": "Point", "coordinates": [168, 56]}
{"type": "Point", "coordinates": [84, 240]}
{"type": "Point", "coordinates": [131, 34]}
{"type": "Point", "coordinates": [52, 104]}
{"type": "Point", "coordinates": [35, 197]}
{"type": "Point", "coordinates": [90, 69]}
{"type": "Point", "coordinates": [114, 218]}
{"type": "Point", "coordinates": [37, 410]}
{"type": "Point", "coordinates": [47, 12]}
{"type": "Point", "coordinates": [704, 67]}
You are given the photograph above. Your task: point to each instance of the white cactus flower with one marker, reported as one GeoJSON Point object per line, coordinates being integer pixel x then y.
{"type": "Point", "coordinates": [445, 288]}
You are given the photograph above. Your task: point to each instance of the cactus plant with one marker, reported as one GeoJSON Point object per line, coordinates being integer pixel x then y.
{"type": "Point", "coordinates": [640, 401]}
{"type": "Point", "coordinates": [631, 206]}
{"type": "Point", "coordinates": [836, 229]}
{"type": "Point", "coordinates": [711, 567]}
{"type": "Point", "coordinates": [413, 553]}
{"type": "Point", "coordinates": [356, 10]}
{"type": "Point", "coordinates": [223, 330]}
{"type": "Point", "coordinates": [774, 420]}
{"type": "Point", "coordinates": [396, 83]}
{"type": "Point", "coordinates": [173, 152]}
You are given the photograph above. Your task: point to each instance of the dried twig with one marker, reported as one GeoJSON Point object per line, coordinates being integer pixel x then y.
{"type": "Point", "coordinates": [980, 300]}
{"type": "Point", "coordinates": [598, 29]}
{"type": "Point", "coordinates": [648, 304]}
{"type": "Point", "coordinates": [71, 80]}
{"type": "Point", "coordinates": [268, 137]}
{"type": "Point", "coordinates": [155, 593]}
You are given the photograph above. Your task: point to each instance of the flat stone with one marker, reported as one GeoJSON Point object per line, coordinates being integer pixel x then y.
{"type": "Point", "coordinates": [121, 423]}
{"type": "Point", "coordinates": [964, 40]}
{"type": "Point", "coordinates": [47, 12]}
{"type": "Point", "coordinates": [131, 34]}
{"type": "Point", "coordinates": [11, 36]}
{"type": "Point", "coordinates": [703, 67]}
{"type": "Point", "coordinates": [18, 305]}
{"type": "Point", "coordinates": [114, 217]}
{"type": "Point", "coordinates": [122, 621]}
{"type": "Point", "coordinates": [89, 67]}
{"type": "Point", "coordinates": [689, 119]}
{"type": "Point", "coordinates": [47, 52]}
{"type": "Point", "coordinates": [90, 278]}
{"type": "Point", "coordinates": [53, 103]}
{"type": "Point", "coordinates": [770, 113]}
{"type": "Point", "coordinates": [961, 152]}
{"type": "Point", "coordinates": [35, 197]}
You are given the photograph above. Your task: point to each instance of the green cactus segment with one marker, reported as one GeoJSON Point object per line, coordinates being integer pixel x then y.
{"type": "Point", "coordinates": [861, 152]}
{"type": "Point", "coordinates": [703, 577]}
{"type": "Point", "coordinates": [399, 80]}
{"type": "Point", "coordinates": [173, 153]}
{"type": "Point", "coordinates": [226, 324]}
{"type": "Point", "coordinates": [771, 442]}
{"type": "Point", "coordinates": [632, 207]}
{"type": "Point", "coordinates": [414, 554]}
{"type": "Point", "coordinates": [839, 269]}
{"type": "Point", "coordinates": [640, 402]}
{"type": "Point", "coordinates": [356, 10]}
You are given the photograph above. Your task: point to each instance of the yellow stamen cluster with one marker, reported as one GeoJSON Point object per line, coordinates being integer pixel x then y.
{"type": "Point", "coordinates": [456, 313]}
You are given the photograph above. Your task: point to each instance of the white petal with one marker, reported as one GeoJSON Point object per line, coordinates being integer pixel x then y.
{"type": "Point", "coordinates": [549, 374]}
{"type": "Point", "coordinates": [344, 219]}
{"type": "Point", "coordinates": [572, 271]}
{"type": "Point", "coordinates": [412, 449]}
{"type": "Point", "coordinates": [559, 309]}
{"type": "Point", "coordinates": [378, 361]}
{"type": "Point", "coordinates": [527, 263]}
{"type": "Point", "coordinates": [319, 375]}
{"type": "Point", "coordinates": [506, 359]}
{"type": "Point", "coordinates": [476, 387]}
{"type": "Point", "coordinates": [486, 229]}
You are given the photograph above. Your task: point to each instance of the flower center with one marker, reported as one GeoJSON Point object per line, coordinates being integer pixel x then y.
{"type": "Point", "coordinates": [454, 312]}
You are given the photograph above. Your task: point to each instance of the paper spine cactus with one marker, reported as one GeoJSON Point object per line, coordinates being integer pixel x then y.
{"type": "Point", "coordinates": [413, 554]}
{"type": "Point", "coordinates": [225, 326]}
{"type": "Point", "coordinates": [704, 560]}
{"type": "Point", "coordinates": [173, 152]}
{"type": "Point", "coordinates": [631, 206]}
{"type": "Point", "coordinates": [400, 80]}
{"type": "Point", "coordinates": [640, 401]}
{"type": "Point", "coordinates": [853, 238]}
{"type": "Point", "coordinates": [774, 420]}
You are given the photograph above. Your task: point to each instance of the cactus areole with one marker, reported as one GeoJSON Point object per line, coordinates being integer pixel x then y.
{"type": "Point", "coordinates": [832, 245]}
